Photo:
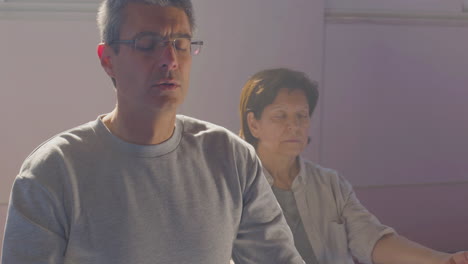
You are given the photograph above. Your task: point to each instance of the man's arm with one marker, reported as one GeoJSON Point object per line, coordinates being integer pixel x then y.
{"type": "Point", "coordinates": [263, 235]}
{"type": "Point", "coordinates": [395, 249]}
{"type": "Point", "coordinates": [34, 230]}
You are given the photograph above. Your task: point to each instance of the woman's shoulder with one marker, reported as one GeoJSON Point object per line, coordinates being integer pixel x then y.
{"type": "Point", "coordinates": [317, 174]}
{"type": "Point", "coordinates": [314, 170]}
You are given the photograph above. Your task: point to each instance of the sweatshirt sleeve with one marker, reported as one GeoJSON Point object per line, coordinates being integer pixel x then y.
{"type": "Point", "coordinates": [263, 235]}
{"type": "Point", "coordinates": [35, 229]}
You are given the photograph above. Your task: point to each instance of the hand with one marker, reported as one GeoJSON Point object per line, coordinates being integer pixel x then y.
{"type": "Point", "coordinates": [457, 258]}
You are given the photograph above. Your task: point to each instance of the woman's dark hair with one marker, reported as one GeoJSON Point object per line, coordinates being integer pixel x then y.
{"type": "Point", "coordinates": [263, 87]}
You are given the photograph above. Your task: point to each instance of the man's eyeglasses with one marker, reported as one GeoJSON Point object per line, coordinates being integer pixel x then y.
{"type": "Point", "coordinates": [153, 45]}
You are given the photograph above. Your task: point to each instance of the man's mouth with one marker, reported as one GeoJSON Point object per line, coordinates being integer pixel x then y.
{"type": "Point", "coordinates": [167, 85]}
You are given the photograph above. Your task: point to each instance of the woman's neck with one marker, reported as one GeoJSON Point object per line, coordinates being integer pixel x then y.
{"type": "Point", "coordinates": [283, 169]}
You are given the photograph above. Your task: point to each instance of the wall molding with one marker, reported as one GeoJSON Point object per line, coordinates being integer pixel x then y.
{"type": "Point", "coordinates": [428, 184]}
{"type": "Point", "coordinates": [48, 10]}
{"type": "Point", "coordinates": [395, 17]}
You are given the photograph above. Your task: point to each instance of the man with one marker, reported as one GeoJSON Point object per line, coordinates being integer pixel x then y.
{"type": "Point", "coordinates": [142, 184]}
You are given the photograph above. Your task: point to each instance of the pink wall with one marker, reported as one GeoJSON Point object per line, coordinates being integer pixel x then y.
{"type": "Point", "coordinates": [244, 36]}
{"type": "Point", "coordinates": [434, 215]}
{"type": "Point", "coordinates": [51, 80]}
{"type": "Point", "coordinates": [3, 211]}
{"type": "Point", "coordinates": [395, 103]}
{"type": "Point", "coordinates": [394, 122]}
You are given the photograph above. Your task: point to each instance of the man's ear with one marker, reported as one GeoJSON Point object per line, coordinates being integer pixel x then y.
{"type": "Point", "coordinates": [252, 122]}
{"type": "Point", "coordinates": [105, 53]}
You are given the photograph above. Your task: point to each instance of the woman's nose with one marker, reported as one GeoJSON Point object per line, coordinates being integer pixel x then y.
{"type": "Point", "coordinates": [294, 122]}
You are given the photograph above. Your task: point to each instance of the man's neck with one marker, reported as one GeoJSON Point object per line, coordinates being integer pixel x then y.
{"type": "Point", "coordinates": [141, 129]}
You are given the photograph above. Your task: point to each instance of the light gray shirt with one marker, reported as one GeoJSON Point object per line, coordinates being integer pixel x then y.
{"type": "Point", "coordinates": [85, 196]}
{"type": "Point", "coordinates": [338, 226]}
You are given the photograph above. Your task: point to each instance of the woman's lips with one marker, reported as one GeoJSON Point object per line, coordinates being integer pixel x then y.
{"type": "Point", "coordinates": [292, 141]}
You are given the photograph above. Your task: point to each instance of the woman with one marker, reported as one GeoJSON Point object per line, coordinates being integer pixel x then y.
{"type": "Point", "coordinates": [328, 222]}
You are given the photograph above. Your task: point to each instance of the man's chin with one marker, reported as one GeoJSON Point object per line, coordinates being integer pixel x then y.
{"type": "Point", "coordinates": [168, 103]}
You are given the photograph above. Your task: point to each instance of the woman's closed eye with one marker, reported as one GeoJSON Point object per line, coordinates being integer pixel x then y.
{"type": "Point", "coordinates": [303, 115]}
{"type": "Point", "coordinates": [279, 116]}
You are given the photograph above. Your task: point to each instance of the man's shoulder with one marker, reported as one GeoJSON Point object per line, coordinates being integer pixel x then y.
{"type": "Point", "coordinates": [62, 144]}
{"type": "Point", "coordinates": [213, 134]}
{"type": "Point", "coordinates": [197, 127]}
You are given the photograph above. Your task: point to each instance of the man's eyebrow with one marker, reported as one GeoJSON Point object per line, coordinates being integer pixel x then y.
{"type": "Point", "coordinates": [181, 35]}
{"type": "Point", "coordinates": [157, 35]}
{"type": "Point", "coordinates": [147, 33]}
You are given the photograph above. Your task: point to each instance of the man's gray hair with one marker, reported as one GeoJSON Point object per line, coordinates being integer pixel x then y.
{"type": "Point", "coordinates": [110, 15]}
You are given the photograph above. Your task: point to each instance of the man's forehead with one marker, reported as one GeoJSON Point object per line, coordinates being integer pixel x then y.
{"type": "Point", "coordinates": [166, 22]}
{"type": "Point", "coordinates": [168, 14]}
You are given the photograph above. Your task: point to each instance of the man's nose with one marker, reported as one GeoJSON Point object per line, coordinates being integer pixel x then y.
{"type": "Point", "coordinates": [168, 58]}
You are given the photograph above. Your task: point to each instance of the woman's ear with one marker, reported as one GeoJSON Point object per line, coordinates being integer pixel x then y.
{"type": "Point", "coordinates": [253, 124]}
